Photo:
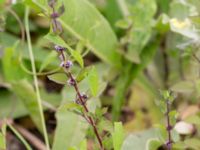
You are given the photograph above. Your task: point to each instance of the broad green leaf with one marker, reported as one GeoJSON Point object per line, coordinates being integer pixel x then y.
{"type": "Point", "coordinates": [84, 22]}
{"type": "Point", "coordinates": [24, 90]}
{"type": "Point", "coordinates": [60, 78]}
{"type": "Point", "coordinates": [118, 136]}
{"type": "Point", "coordinates": [48, 59]}
{"type": "Point", "coordinates": [138, 141]}
{"type": "Point", "coordinates": [153, 144]}
{"type": "Point", "coordinates": [93, 81]}
{"type": "Point", "coordinates": [70, 131]}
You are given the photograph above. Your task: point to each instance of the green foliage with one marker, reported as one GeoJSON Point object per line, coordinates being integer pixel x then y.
{"type": "Point", "coordinates": [143, 46]}
{"type": "Point", "coordinates": [60, 78]}
{"type": "Point", "coordinates": [76, 129]}
{"type": "Point", "coordinates": [24, 90]}
{"type": "Point", "coordinates": [138, 141]}
{"type": "Point", "coordinates": [93, 81]}
{"type": "Point", "coordinates": [118, 135]}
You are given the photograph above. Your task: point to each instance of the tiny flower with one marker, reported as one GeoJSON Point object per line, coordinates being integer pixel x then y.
{"type": "Point", "coordinates": [68, 64]}
{"type": "Point", "coordinates": [55, 15]}
{"type": "Point", "coordinates": [84, 96]}
{"type": "Point", "coordinates": [71, 82]}
{"type": "Point", "coordinates": [59, 48]}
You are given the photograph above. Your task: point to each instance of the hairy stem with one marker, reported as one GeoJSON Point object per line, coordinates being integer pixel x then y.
{"type": "Point", "coordinates": [39, 101]}
{"type": "Point", "coordinates": [88, 118]}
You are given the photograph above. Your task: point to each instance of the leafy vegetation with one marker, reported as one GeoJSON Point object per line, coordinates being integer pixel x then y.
{"type": "Point", "coordinates": [99, 74]}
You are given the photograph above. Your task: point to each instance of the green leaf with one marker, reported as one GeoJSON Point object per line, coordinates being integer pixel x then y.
{"type": "Point", "coordinates": [48, 59]}
{"type": "Point", "coordinates": [153, 144]}
{"type": "Point", "coordinates": [60, 78]}
{"type": "Point", "coordinates": [70, 130]}
{"type": "Point", "coordinates": [93, 81]}
{"type": "Point", "coordinates": [77, 56]}
{"type": "Point", "coordinates": [11, 65]}
{"type": "Point", "coordinates": [85, 22]}
{"type": "Point", "coordinates": [138, 141]}
{"type": "Point", "coordinates": [24, 90]}
{"type": "Point", "coordinates": [118, 136]}
{"type": "Point", "coordinates": [82, 74]}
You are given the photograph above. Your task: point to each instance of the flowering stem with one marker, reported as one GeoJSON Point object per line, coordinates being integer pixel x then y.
{"type": "Point", "coordinates": [169, 127]}
{"type": "Point", "coordinates": [87, 117]}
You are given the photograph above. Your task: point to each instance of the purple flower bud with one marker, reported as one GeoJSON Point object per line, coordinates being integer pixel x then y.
{"type": "Point", "coordinates": [55, 15]}
{"type": "Point", "coordinates": [59, 48]}
{"type": "Point", "coordinates": [71, 82]}
{"type": "Point", "coordinates": [84, 96]}
{"type": "Point", "coordinates": [169, 128]}
{"type": "Point", "coordinates": [68, 64]}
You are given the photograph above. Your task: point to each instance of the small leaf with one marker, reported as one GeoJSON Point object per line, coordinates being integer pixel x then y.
{"type": "Point", "coordinates": [55, 39]}
{"type": "Point", "coordinates": [59, 78]}
{"type": "Point", "coordinates": [118, 136]}
{"type": "Point", "coordinates": [50, 58]}
{"type": "Point", "coordinates": [77, 56]}
{"type": "Point", "coordinates": [93, 81]}
{"type": "Point", "coordinates": [82, 74]}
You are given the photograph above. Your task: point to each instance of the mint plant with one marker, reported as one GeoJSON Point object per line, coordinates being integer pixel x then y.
{"type": "Point", "coordinates": [165, 103]}
{"type": "Point", "coordinates": [66, 64]}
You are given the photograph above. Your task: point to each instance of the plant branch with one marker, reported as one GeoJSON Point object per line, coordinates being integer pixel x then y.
{"type": "Point", "coordinates": [87, 117]}
{"type": "Point", "coordinates": [39, 101]}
